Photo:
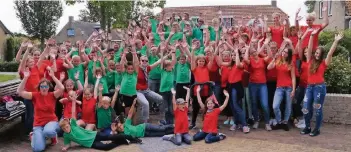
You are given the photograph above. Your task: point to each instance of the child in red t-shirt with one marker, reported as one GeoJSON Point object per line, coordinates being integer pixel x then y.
{"type": "Point", "coordinates": [68, 104]}
{"type": "Point", "coordinates": [210, 131]}
{"type": "Point", "coordinates": [181, 129]}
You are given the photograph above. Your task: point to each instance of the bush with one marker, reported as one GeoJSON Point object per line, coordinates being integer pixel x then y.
{"type": "Point", "coordinates": [9, 66]}
{"type": "Point", "coordinates": [10, 49]}
{"type": "Point", "coordinates": [338, 76]}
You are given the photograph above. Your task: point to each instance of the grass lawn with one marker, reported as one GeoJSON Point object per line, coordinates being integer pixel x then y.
{"type": "Point", "coordinates": [4, 78]}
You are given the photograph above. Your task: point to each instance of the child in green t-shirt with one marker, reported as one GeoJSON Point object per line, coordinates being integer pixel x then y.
{"type": "Point", "coordinates": [88, 138]}
{"type": "Point", "coordinates": [100, 71]}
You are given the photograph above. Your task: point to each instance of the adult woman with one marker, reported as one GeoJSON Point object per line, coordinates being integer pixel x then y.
{"type": "Point", "coordinates": [316, 89]}
{"type": "Point", "coordinates": [45, 120]}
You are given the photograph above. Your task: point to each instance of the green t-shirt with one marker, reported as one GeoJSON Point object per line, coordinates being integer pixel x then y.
{"type": "Point", "coordinates": [142, 50]}
{"type": "Point", "coordinates": [79, 135]}
{"type": "Point", "coordinates": [167, 79]}
{"type": "Point", "coordinates": [79, 68]}
{"type": "Point", "coordinates": [200, 51]}
{"type": "Point", "coordinates": [103, 81]}
{"type": "Point", "coordinates": [177, 36]}
{"type": "Point", "coordinates": [197, 34]}
{"type": "Point", "coordinates": [128, 84]}
{"type": "Point", "coordinates": [182, 73]}
{"type": "Point", "coordinates": [104, 117]}
{"type": "Point", "coordinates": [134, 131]}
{"type": "Point", "coordinates": [153, 25]}
{"type": "Point", "coordinates": [118, 78]}
{"type": "Point", "coordinates": [213, 33]}
{"type": "Point", "coordinates": [91, 79]}
{"type": "Point", "coordinates": [117, 57]}
{"type": "Point", "coordinates": [110, 79]}
{"type": "Point", "coordinates": [154, 74]}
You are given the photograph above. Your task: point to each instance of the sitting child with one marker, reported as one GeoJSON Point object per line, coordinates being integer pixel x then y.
{"type": "Point", "coordinates": [181, 129]}
{"type": "Point", "coordinates": [141, 130]}
{"type": "Point", "coordinates": [210, 131]}
{"type": "Point", "coordinates": [87, 138]}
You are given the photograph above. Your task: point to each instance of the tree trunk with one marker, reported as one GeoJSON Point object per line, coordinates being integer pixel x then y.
{"type": "Point", "coordinates": [42, 42]}
{"type": "Point", "coordinates": [103, 17]}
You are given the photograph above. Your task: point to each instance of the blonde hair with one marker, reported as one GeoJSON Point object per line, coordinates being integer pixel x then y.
{"type": "Point", "coordinates": [63, 122]}
{"type": "Point", "coordinates": [276, 14]}
{"type": "Point", "coordinates": [106, 99]}
{"type": "Point", "coordinates": [311, 15]}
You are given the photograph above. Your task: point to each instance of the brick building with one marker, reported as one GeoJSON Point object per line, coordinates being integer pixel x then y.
{"type": "Point", "coordinates": [231, 14]}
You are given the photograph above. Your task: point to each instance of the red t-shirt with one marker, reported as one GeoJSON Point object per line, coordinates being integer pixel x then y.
{"type": "Point", "coordinates": [141, 81]}
{"type": "Point", "coordinates": [67, 106]}
{"type": "Point", "coordinates": [214, 71]}
{"type": "Point", "coordinates": [88, 111]}
{"type": "Point", "coordinates": [294, 60]}
{"type": "Point", "coordinates": [33, 80]}
{"type": "Point", "coordinates": [245, 78]}
{"type": "Point", "coordinates": [308, 36]}
{"type": "Point", "coordinates": [225, 70]}
{"type": "Point", "coordinates": [272, 73]}
{"type": "Point", "coordinates": [277, 34]}
{"type": "Point", "coordinates": [284, 75]}
{"type": "Point", "coordinates": [318, 76]}
{"type": "Point", "coordinates": [294, 40]}
{"type": "Point", "coordinates": [181, 121]}
{"type": "Point", "coordinates": [43, 71]}
{"type": "Point", "coordinates": [304, 74]}
{"type": "Point", "coordinates": [211, 121]}
{"type": "Point", "coordinates": [236, 74]}
{"type": "Point", "coordinates": [257, 70]}
{"type": "Point", "coordinates": [201, 74]}
{"type": "Point", "coordinates": [60, 68]}
{"type": "Point", "coordinates": [44, 108]}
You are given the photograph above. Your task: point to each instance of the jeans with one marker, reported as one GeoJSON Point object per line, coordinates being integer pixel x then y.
{"type": "Point", "coordinates": [106, 131]}
{"type": "Point", "coordinates": [117, 139]}
{"type": "Point", "coordinates": [41, 132]}
{"type": "Point", "coordinates": [258, 91]}
{"type": "Point", "coordinates": [152, 130]}
{"type": "Point", "coordinates": [145, 99]}
{"type": "Point", "coordinates": [271, 87]}
{"type": "Point", "coordinates": [29, 116]}
{"type": "Point", "coordinates": [154, 85]}
{"type": "Point", "coordinates": [279, 94]}
{"type": "Point", "coordinates": [217, 91]}
{"type": "Point", "coordinates": [209, 137]}
{"type": "Point", "coordinates": [314, 99]}
{"type": "Point", "coordinates": [297, 103]}
{"type": "Point", "coordinates": [168, 106]}
{"type": "Point", "coordinates": [178, 138]}
{"type": "Point", "coordinates": [247, 103]}
{"type": "Point", "coordinates": [237, 110]}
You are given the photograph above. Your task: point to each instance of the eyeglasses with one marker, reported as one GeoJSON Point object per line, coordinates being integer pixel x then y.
{"type": "Point", "coordinates": [44, 87]}
{"type": "Point", "coordinates": [144, 61]}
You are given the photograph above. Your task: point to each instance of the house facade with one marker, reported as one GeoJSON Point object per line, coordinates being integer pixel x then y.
{"type": "Point", "coordinates": [231, 14]}
{"type": "Point", "coordinates": [339, 14]}
{"type": "Point", "coordinates": [4, 33]}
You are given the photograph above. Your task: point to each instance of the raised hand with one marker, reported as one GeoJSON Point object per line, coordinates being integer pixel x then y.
{"type": "Point", "coordinates": [86, 73]}
{"type": "Point", "coordinates": [100, 87]}
{"type": "Point", "coordinates": [24, 44]}
{"type": "Point", "coordinates": [186, 88]}
{"type": "Point", "coordinates": [26, 72]}
{"type": "Point", "coordinates": [265, 18]}
{"type": "Point", "coordinates": [299, 18]}
{"type": "Point", "coordinates": [30, 45]}
{"type": "Point", "coordinates": [315, 31]}
{"type": "Point", "coordinates": [51, 72]}
{"type": "Point", "coordinates": [298, 11]}
{"type": "Point", "coordinates": [184, 44]}
{"type": "Point", "coordinates": [173, 91]}
{"type": "Point", "coordinates": [225, 92]}
{"type": "Point", "coordinates": [339, 36]}
{"type": "Point", "coordinates": [198, 89]}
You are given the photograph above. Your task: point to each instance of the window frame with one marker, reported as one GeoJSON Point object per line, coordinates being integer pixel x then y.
{"type": "Point", "coordinates": [227, 17]}
{"type": "Point", "coordinates": [330, 7]}
{"type": "Point", "coordinates": [320, 10]}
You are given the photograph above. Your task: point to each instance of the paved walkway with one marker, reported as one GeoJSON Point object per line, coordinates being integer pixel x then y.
{"type": "Point", "coordinates": [333, 138]}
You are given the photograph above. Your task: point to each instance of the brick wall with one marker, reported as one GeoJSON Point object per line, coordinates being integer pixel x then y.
{"type": "Point", "coordinates": [337, 109]}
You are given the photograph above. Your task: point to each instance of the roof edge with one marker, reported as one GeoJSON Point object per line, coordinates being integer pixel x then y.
{"type": "Point", "coordinates": [6, 30]}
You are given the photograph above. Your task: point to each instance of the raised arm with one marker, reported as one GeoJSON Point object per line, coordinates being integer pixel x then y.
{"type": "Point", "coordinates": [174, 101]}
{"type": "Point", "coordinates": [187, 98]}
{"type": "Point", "coordinates": [333, 48]}
{"type": "Point", "coordinates": [22, 65]}
{"type": "Point", "coordinates": [132, 109]}
{"type": "Point", "coordinates": [237, 59]}
{"type": "Point", "coordinates": [21, 92]}
{"type": "Point", "coordinates": [115, 95]}
{"type": "Point", "coordinates": [96, 87]}
{"type": "Point", "coordinates": [325, 16]}
{"type": "Point", "coordinates": [310, 45]}
{"type": "Point", "coordinates": [225, 101]}
{"type": "Point", "coordinates": [202, 106]}
{"type": "Point", "coordinates": [271, 65]}
{"type": "Point", "coordinates": [60, 88]}
{"type": "Point", "coordinates": [20, 50]}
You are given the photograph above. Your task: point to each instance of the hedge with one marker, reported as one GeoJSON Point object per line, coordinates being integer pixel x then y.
{"type": "Point", "coordinates": [9, 66]}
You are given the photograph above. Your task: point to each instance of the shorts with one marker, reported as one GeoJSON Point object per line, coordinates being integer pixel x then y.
{"type": "Point", "coordinates": [127, 100]}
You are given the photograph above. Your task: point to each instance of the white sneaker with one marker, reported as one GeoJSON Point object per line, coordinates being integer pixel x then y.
{"type": "Point", "coordinates": [301, 124]}
{"type": "Point", "coordinates": [232, 128]}
{"type": "Point", "coordinates": [271, 122]}
{"type": "Point", "coordinates": [268, 127]}
{"type": "Point", "coordinates": [274, 122]}
{"type": "Point", "coordinates": [255, 126]}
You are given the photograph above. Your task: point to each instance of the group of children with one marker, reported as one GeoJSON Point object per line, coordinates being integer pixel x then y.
{"type": "Point", "coordinates": [185, 64]}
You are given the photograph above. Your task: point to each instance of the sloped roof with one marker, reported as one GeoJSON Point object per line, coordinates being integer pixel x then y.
{"type": "Point", "coordinates": [237, 11]}
{"type": "Point", "coordinates": [7, 31]}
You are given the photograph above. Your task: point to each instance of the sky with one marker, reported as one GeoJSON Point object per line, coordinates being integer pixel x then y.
{"type": "Point", "coordinates": [8, 13]}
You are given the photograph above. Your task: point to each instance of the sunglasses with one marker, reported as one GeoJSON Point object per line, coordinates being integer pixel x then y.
{"type": "Point", "coordinates": [44, 87]}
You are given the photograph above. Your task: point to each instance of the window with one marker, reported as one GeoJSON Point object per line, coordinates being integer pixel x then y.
{"type": "Point", "coordinates": [320, 9]}
{"type": "Point", "coordinates": [330, 8]}
{"type": "Point", "coordinates": [70, 32]}
{"type": "Point", "coordinates": [227, 21]}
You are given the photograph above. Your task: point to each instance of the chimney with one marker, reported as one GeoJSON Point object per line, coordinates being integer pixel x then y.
{"type": "Point", "coordinates": [274, 3]}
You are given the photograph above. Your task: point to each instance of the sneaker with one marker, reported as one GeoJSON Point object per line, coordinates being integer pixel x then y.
{"type": "Point", "coordinates": [222, 136]}
{"type": "Point", "coordinates": [285, 127]}
{"type": "Point", "coordinates": [54, 140]}
{"type": "Point", "coordinates": [315, 132]}
{"type": "Point", "coordinates": [255, 125]}
{"type": "Point", "coordinates": [274, 122]}
{"type": "Point", "coordinates": [250, 121]}
{"type": "Point", "coordinates": [271, 122]}
{"type": "Point", "coordinates": [192, 126]}
{"type": "Point", "coordinates": [305, 131]}
{"type": "Point", "coordinates": [231, 122]}
{"type": "Point", "coordinates": [268, 127]}
{"type": "Point", "coordinates": [246, 129]}
{"type": "Point", "coordinates": [226, 122]}
{"type": "Point", "coordinates": [167, 137]}
{"type": "Point", "coordinates": [163, 122]}
{"type": "Point", "coordinates": [301, 126]}
{"type": "Point", "coordinates": [232, 128]}
{"type": "Point", "coordinates": [31, 139]}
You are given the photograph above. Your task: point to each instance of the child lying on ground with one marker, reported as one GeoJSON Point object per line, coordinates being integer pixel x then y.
{"type": "Point", "coordinates": [87, 138]}
{"type": "Point", "coordinates": [141, 130]}
{"type": "Point", "coordinates": [181, 129]}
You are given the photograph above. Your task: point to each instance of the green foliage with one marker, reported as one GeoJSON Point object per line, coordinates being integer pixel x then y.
{"type": "Point", "coordinates": [338, 76]}
{"type": "Point", "coordinates": [9, 66]}
{"type": "Point", "coordinates": [39, 18]}
{"type": "Point", "coordinates": [310, 5]}
{"type": "Point", "coordinates": [10, 50]}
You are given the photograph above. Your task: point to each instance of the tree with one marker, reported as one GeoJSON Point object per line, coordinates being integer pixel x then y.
{"type": "Point", "coordinates": [310, 5]}
{"type": "Point", "coordinates": [9, 54]}
{"type": "Point", "coordinates": [39, 18]}
{"type": "Point", "coordinates": [116, 13]}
